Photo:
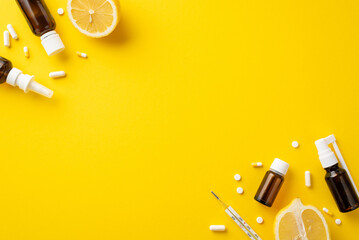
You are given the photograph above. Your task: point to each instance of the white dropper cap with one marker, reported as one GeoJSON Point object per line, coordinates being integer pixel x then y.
{"type": "Point", "coordinates": [27, 83]}
{"type": "Point", "coordinates": [52, 43]}
{"type": "Point", "coordinates": [326, 155]}
{"type": "Point", "coordinates": [279, 166]}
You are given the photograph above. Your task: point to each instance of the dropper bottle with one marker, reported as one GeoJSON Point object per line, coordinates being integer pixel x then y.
{"type": "Point", "coordinates": [42, 24]}
{"type": "Point", "coordinates": [15, 77]}
{"type": "Point", "coordinates": [339, 180]}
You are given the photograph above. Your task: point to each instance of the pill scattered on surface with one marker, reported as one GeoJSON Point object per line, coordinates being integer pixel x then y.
{"type": "Point", "coordinates": [338, 221]}
{"type": "Point", "coordinates": [240, 190]}
{"type": "Point", "coordinates": [6, 39]}
{"type": "Point", "coordinates": [217, 228]}
{"type": "Point", "coordinates": [57, 74]}
{"type": "Point", "coordinates": [81, 54]}
{"type": "Point", "coordinates": [295, 144]}
{"type": "Point", "coordinates": [326, 210]}
{"type": "Point", "coordinates": [60, 11]}
{"type": "Point", "coordinates": [308, 180]}
{"type": "Point", "coordinates": [26, 52]}
{"type": "Point", "coordinates": [257, 164]}
{"type": "Point", "coordinates": [260, 220]}
{"type": "Point", "coordinates": [12, 31]}
{"type": "Point", "coordinates": [237, 177]}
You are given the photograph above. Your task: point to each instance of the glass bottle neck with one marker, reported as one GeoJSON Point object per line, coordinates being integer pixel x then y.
{"type": "Point", "coordinates": [332, 168]}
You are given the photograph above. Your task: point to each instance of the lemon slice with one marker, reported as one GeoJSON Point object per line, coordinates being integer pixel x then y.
{"type": "Point", "coordinates": [299, 222]}
{"type": "Point", "coordinates": [94, 18]}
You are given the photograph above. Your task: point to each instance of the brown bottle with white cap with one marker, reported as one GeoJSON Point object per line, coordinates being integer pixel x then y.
{"type": "Point", "coordinates": [272, 182]}
{"type": "Point", "coordinates": [15, 77]}
{"type": "Point", "coordinates": [42, 24]}
{"type": "Point", "coordinates": [339, 180]}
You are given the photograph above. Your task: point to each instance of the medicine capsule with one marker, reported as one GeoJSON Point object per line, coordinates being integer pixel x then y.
{"type": "Point", "coordinates": [257, 164]}
{"type": "Point", "coordinates": [217, 228]}
{"type": "Point", "coordinates": [308, 181]}
{"type": "Point", "coordinates": [12, 31]}
{"type": "Point", "coordinates": [6, 39]}
{"type": "Point", "coordinates": [82, 55]}
{"type": "Point", "coordinates": [57, 74]}
{"type": "Point", "coordinates": [26, 52]}
{"type": "Point", "coordinates": [326, 210]}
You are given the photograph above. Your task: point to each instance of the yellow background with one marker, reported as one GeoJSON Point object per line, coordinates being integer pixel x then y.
{"type": "Point", "coordinates": [183, 95]}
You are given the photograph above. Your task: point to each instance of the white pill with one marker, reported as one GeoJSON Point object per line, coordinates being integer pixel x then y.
{"type": "Point", "coordinates": [81, 54]}
{"type": "Point", "coordinates": [257, 164]}
{"type": "Point", "coordinates": [295, 144]}
{"type": "Point", "coordinates": [57, 74]}
{"type": "Point", "coordinates": [308, 181]}
{"type": "Point", "coordinates": [26, 52]}
{"type": "Point", "coordinates": [237, 177]}
{"type": "Point", "coordinates": [12, 31]}
{"type": "Point", "coordinates": [338, 221]}
{"type": "Point", "coordinates": [260, 220]}
{"type": "Point", "coordinates": [240, 190]}
{"type": "Point", "coordinates": [6, 39]}
{"type": "Point", "coordinates": [60, 11]}
{"type": "Point", "coordinates": [217, 228]}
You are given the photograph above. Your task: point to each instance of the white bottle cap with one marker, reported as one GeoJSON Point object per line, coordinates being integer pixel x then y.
{"type": "Point", "coordinates": [326, 155]}
{"type": "Point", "coordinates": [279, 166]}
{"type": "Point", "coordinates": [52, 43]}
{"type": "Point", "coordinates": [27, 83]}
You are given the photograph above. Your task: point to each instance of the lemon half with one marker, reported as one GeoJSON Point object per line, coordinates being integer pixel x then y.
{"type": "Point", "coordinates": [94, 18]}
{"type": "Point", "coordinates": [300, 222]}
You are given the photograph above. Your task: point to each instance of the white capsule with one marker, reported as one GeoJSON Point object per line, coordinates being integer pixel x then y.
{"type": "Point", "coordinates": [12, 31]}
{"type": "Point", "coordinates": [81, 54]}
{"type": "Point", "coordinates": [237, 177]}
{"type": "Point", "coordinates": [295, 144]}
{"type": "Point", "coordinates": [57, 74]}
{"type": "Point", "coordinates": [308, 180]}
{"type": "Point", "coordinates": [60, 11]}
{"type": "Point", "coordinates": [217, 228]}
{"type": "Point", "coordinates": [6, 39]}
{"type": "Point", "coordinates": [260, 220]}
{"type": "Point", "coordinates": [240, 190]}
{"type": "Point", "coordinates": [26, 52]}
{"type": "Point", "coordinates": [326, 210]}
{"type": "Point", "coordinates": [338, 221]}
{"type": "Point", "coordinates": [257, 164]}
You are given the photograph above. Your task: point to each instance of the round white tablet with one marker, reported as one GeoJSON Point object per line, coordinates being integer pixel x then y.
{"type": "Point", "coordinates": [237, 177]}
{"type": "Point", "coordinates": [240, 190]}
{"type": "Point", "coordinates": [295, 144]}
{"type": "Point", "coordinates": [260, 220]}
{"type": "Point", "coordinates": [338, 221]}
{"type": "Point", "coordinates": [60, 11]}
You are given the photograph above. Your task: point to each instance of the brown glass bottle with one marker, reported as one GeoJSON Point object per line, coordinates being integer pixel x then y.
{"type": "Point", "coordinates": [16, 78]}
{"type": "Point", "coordinates": [42, 24]}
{"type": "Point", "coordinates": [5, 68]}
{"type": "Point", "coordinates": [271, 183]}
{"type": "Point", "coordinates": [341, 188]}
{"type": "Point", "coordinates": [37, 16]}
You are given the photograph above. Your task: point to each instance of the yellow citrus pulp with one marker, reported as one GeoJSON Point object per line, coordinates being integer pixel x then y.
{"type": "Point", "coordinates": [299, 222]}
{"type": "Point", "coordinates": [94, 18]}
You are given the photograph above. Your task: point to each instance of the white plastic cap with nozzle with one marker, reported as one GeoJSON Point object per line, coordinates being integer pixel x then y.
{"type": "Point", "coordinates": [52, 43]}
{"type": "Point", "coordinates": [279, 166]}
{"type": "Point", "coordinates": [27, 83]}
{"type": "Point", "coordinates": [326, 155]}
